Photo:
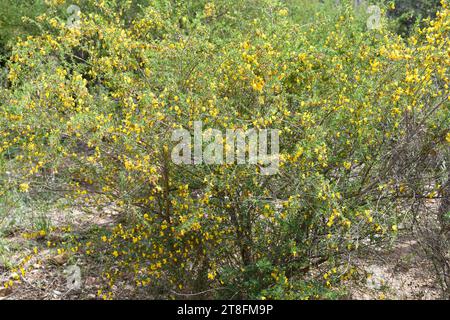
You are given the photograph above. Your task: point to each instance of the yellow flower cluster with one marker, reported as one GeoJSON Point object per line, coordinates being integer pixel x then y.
{"type": "Point", "coordinates": [94, 108]}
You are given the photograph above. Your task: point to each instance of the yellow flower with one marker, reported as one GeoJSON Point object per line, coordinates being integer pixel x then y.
{"type": "Point", "coordinates": [258, 84]}
{"type": "Point", "coordinates": [24, 187]}
{"type": "Point", "coordinates": [448, 137]}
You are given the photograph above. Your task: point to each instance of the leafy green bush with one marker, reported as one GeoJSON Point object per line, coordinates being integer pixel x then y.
{"type": "Point", "coordinates": [89, 113]}
{"type": "Point", "coordinates": [13, 22]}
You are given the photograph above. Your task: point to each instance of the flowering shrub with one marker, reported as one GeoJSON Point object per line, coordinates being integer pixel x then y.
{"type": "Point", "coordinates": [88, 114]}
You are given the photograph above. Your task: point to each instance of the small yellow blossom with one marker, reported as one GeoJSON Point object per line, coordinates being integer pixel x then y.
{"type": "Point", "coordinates": [24, 187]}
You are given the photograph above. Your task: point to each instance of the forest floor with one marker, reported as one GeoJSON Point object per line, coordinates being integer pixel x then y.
{"type": "Point", "coordinates": [401, 272]}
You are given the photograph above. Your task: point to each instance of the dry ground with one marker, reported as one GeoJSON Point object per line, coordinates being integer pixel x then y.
{"type": "Point", "coordinates": [398, 273]}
